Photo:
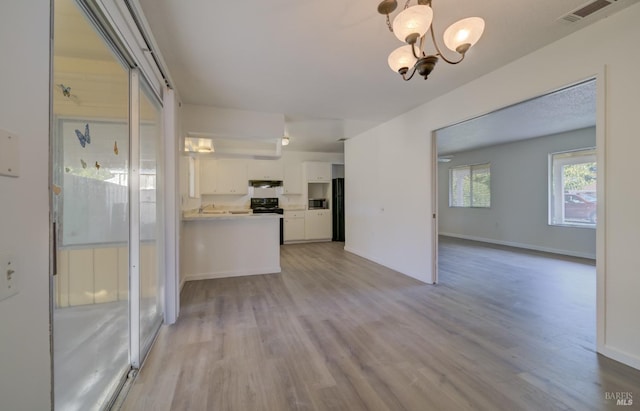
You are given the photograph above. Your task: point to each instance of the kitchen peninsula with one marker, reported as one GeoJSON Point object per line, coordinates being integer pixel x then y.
{"type": "Point", "coordinates": [229, 245]}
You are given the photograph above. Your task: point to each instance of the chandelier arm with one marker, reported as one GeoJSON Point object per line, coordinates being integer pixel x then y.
{"type": "Point", "coordinates": [406, 5]}
{"type": "Point", "coordinates": [413, 71]}
{"type": "Point", "coordinates": [389, 24]}
{"type": "Point", "coordinates": [433, 38]}
{"type": "Point", "coordinates": [413, 50]}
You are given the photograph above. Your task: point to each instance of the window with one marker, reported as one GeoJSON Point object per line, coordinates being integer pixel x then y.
{"type": "Point", "coordinates": [470, 186]}
{"type": "Point", "coordinates": [193, 177]}
{"type": "Point", "coordinates": [572, 188]}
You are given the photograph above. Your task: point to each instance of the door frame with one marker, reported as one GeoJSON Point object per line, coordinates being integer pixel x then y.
{"type": "Point", "coordinates": [601, 78]}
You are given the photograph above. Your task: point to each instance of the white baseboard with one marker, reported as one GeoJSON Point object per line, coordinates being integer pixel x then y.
{"type": "Point", "coordinates": [323, 240]}
{"type": "Point", "coordinates": [570, 253]}
{"type": "Point", "coordinates": [620, 356]}
{"type": "Point", "coordinates": [382, 263]}
{"type": "Point", "coordinates": [227, 274]}
{"type": "Point", "coordinates": [184, 280]}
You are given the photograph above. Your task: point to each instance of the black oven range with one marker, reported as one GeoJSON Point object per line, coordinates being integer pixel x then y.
{"type": "Point", "coordinates": [268, 205]}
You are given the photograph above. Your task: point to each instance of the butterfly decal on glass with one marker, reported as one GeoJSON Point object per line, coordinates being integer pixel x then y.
{"type": "Point", "coordinates": [66, 91]}
{"type": "Point", "coordinates": [84, 138]}
{"type": "Point", "coordinates": [97, 166]}
{"type": "Point", "coordinates": [84, 164]}
{"type": "Point", "coordinates": [115, 148]}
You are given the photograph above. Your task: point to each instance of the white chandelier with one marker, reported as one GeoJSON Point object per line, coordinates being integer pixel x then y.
{"type": "Point", "coordinates": [412, 24]}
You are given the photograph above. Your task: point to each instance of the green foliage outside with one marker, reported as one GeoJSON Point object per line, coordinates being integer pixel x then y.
{"type": "Point", "coordinates": [580, 176]}
{"type": "Point", "coordinates": [481, 189]}
{"type": "Point", "coordinates": [471, 187]}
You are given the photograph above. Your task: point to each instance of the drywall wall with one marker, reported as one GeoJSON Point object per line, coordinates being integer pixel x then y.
{"type": "Point", "coordinates": [388, 200]}
{"type": "Point", "coordinates": [573, 59]}
{"type": "Point", "coordinates": [224, 122]}
{"type": "Point", "coordinates": [25, 373]}
{"type": "Point", "coordinates": [518, 215]}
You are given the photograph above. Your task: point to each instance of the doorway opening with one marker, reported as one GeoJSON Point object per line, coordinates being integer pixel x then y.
{"type": "Point", "coordinates": [506, 182]}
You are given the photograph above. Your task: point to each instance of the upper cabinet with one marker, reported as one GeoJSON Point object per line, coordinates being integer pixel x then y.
{"type": "Point", "coordinates": [293, 178]}
{"type": "Point", "coordinates": [317, 171]}
{"type": "Point", "coordinates": [265, 170]}
{"type": "Point", "coordinates": [223, 177]}
{"type": "Point", "coordinates": [232, 177]}
{"type": "Point", "coordinates": [208, 175]}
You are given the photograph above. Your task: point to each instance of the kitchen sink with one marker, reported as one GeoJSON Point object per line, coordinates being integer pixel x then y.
{"type": "Point", "coordinates": [210, 211]}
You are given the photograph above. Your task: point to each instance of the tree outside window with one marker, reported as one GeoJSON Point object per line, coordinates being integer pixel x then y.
{"type": "Point", "coordinates": [572, 188]}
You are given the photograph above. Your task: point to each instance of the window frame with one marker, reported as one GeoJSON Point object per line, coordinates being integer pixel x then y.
{"type": "Point", "coordinates": [555, 201]}
{"type": "Point", "coordinates": [471, 168]}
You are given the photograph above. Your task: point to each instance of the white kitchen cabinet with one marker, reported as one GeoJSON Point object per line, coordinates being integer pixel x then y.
{"type": "Point", "coordinates": [265, 170]}
{"type": "Point", "coordinates": [318, 225]}
{"type": "Point", "coordinates": [293, 178]}
{"type": "Point", "coordinates": [317, 171]}
{"type": "Point", "coordinates": [208, 175]}
{"type": "Point", "coordinates": [294, 225]}
{"type": "Point", "coordinates": [232, 177]}
{"type": "Point", "coordinates": [223, 177]}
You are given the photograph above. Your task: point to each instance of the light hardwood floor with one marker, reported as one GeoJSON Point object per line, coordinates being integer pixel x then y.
{"type": "Point", "coordinates": [504, 330]}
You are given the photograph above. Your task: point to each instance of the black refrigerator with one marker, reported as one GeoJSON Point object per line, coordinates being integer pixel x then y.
{"type": "Point", "coordinates": [338, 209]}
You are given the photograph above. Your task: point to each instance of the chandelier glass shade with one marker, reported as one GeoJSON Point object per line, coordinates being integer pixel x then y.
{"type": "Point", "coordinates": [463, 32]}
{"type": "Point", "coordinates": [411, 26]}
{"type": "Point", "coordinates": [416, 19]}
{"type": "Point", "coordinates": [402, 57]}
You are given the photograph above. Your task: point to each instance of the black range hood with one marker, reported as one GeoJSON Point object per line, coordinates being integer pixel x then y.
{"type": "Point", "coordinates": [265, 183]}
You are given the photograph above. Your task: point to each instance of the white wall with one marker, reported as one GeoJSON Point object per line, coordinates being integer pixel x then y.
{"type": "Point", "coordinates": [225, 122]}
{"type": "Point", "coordinates": [388, 197]}
{"type": "Point", "coordinates": [25, 382]}
{"type": "Point", "coordinates": [400, 151]}
{"type": "Point", "coordinates": [519, 197]}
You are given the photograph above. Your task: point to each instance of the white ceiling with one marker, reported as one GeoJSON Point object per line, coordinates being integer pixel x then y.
{"type": "Point", "coordinates": [323, 64]}
{"type": "Point", "coordinates": [568, 109]}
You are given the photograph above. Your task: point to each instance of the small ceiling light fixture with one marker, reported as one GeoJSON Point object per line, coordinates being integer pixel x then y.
{"type": "Point", "coordinates": [198, 145]}
{"type": "Point", "coordinates": [285, 141]}
{"type": "Point", "coordinates": [412, 24]}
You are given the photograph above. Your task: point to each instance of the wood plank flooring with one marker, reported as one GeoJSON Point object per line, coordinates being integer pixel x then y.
{"type": "Point", "coordinates": [504, 330]}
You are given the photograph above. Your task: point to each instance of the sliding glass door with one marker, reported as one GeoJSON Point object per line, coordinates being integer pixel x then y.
{"type": "Point", "coordinates": [151, 241]}
{"type": "Point", "coordinates": [91, 210]}
{"type": "Point", "coordinates": [107, 289]}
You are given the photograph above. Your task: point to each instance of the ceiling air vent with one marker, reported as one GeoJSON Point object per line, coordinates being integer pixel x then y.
{"type": "Point", "coordinates": [587, 10]}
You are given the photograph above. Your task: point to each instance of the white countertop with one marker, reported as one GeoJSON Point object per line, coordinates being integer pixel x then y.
{"type": "Point", "coordinates": [226, 216]}
{"type": "Point", "coordinates": [294, 208]}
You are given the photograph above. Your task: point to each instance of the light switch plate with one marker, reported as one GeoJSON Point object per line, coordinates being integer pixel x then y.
{"type": "Point", "coordinates": [8, 276]}
{"type": "Point", "coordinates": [9, 154]}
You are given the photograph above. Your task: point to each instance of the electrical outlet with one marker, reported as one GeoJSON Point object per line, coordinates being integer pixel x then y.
{"type": "Point", "coordinates": [8, 277]}
{"type": "Point", "coordinates": [9, 154]}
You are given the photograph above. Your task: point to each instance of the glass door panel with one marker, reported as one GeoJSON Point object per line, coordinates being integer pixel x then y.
{"type": "Point", "coordinates": [151, 218]}
{"type": "Point", "coordinates": [91, 210]}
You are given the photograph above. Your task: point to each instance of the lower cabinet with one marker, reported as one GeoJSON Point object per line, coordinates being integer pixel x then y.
{"type": "Point", "coordinates": [318, 225]}
{"type": "Point", "coordinates": [294, 225]}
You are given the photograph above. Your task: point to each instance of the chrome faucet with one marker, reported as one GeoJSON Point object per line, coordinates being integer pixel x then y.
{"type": "Point", "coordinates": [203, 206]}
